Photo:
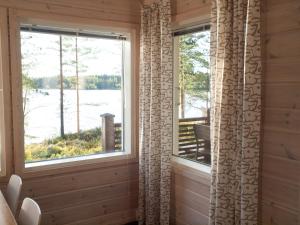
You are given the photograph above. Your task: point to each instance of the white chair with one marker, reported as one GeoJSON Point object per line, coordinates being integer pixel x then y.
{"type": "Point", "coordinates": [30, 213]}
{"type": "Point", "coordinates": [13, 192]}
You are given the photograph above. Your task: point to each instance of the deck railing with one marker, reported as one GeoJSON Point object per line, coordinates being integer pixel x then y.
{"type": "Point", "coordinates": [187, 144]}
{"type": "Point", "coordinates": [186, 140]}
{"type": "Point", "coordinates": [118, 136]}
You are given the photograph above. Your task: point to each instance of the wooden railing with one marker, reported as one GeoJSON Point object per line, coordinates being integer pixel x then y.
{"type": "Point", "coordinates": [187, 145]}
{"type": "Point", "coordinates": [118, 136]}
{"type": "Point", "coordinates": [187, 141]}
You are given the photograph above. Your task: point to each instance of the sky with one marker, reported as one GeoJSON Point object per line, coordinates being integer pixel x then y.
{"type": "Point", "coordinates": [40, 55]}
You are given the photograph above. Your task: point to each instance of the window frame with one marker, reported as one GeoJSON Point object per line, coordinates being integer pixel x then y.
{"type": "Point", "coordinates": [16, 18]}
{"type": "Point", "coordinates": [5, 119]}
{"type": "Point", "coordinates": [202, 24]}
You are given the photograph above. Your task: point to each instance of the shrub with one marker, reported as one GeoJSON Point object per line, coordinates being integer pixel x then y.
{"type": "Point", "coordinates": [71, 145]}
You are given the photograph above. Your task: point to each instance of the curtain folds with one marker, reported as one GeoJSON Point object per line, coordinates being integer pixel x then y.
{"type": "Point", "coordinates": [235, 112]}
{"type": "Point", "coordinates": [155, 111]}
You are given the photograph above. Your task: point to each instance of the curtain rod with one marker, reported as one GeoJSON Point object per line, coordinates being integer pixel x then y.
{"type": "Point", "coordinates": [69, 33]}
{"type": "Point", "coordinates": [204, 27]}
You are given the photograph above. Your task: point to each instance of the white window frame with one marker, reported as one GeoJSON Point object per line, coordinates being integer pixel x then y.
{"type": "Point", "coordinates": [18, 17]}
{"type": "Point", "coordinates": [175, 157]}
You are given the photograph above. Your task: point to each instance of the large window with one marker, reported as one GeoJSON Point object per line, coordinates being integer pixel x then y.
{"type": "Point", "coordinates": [192, 94]}
{"type": "Point", "coordinates": [75, 86]}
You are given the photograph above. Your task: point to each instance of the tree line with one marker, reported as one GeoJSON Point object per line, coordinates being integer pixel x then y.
{"type": "Point", "coordinates": [91, 82]}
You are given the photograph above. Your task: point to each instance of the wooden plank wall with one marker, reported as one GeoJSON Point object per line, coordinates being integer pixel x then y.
{"type": "Point", "coordinates": [281, 124]}
{"type": "Point", "coordinates": [189, 196]}
{"type": "Point", "coordinates": [187, 10]}
{"type": "Point", "coordinates": [97, 196]}
{"type": "Point", "coordinates": [105, 194]}
{"type": "Point", "coordinates": [110, 10]}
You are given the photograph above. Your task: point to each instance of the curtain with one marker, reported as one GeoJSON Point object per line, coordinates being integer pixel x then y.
{"type": "Point", "coordinates": [155, 114]}
{"type": "Point", "coordinates": [236, 106]}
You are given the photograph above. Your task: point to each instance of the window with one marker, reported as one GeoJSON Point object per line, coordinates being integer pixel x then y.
{"type": "Point", "coordinates": [4, 95]}
{"type": "Point", "coordinates": [192, 94]}
{"type": "Point", "coordinates": [76, 93]}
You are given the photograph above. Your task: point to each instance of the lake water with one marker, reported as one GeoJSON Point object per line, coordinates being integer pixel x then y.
{"type": "Point", "coordinates": [43, 118]}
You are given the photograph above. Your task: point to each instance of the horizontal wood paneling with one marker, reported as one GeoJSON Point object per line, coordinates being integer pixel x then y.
{"type": "Point", "coordinates": [79, 180]}
{"type": "Point", "coordinates": [279, 70]}
{"type": "Point", "coordinates": [282, 144]}
{"type": "Point", "coordinates": [274, 214]}
{"type": "Point", "coordinates": [95, 209]}
{"type": "Point", "coordinates": [185, 182]}
{"type": "Point", "coordinates": [283, 44]}
{"type": "Point", "coordinates": [86, 197]}
{"type": "Point", "coordinates": [190, 195]}
{"type": "Point", "coordinates": [67, 199]}
{"type": "Point", "coordinates": [283, 119]}
{"type": "Point", "coordinates": [283, 193]}
{"type": "Point", "coordinates": [281, 125]}
{"type": "Point", "coordinates": [189, 216]}
{"type": "Point", "coordinates": [190, 11]}
{"type": "Point", "coordinates": [112, 219]}
{"type": "Point", "coordinates": [282, 168]}
{"type": "Point", "coordinates": [180, 7]}
{"type": "Point", "coordinates": [110, 10]}
{"type": "Point", "coordinates": [282, 95]}
{"type": "Point", "coordinates": [282, 17]}
{"type": "Point", "coordinates": [195, 201]}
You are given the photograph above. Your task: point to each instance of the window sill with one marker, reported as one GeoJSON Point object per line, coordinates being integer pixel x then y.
{"type": "Point", "coordinates": [58, 166]}
{"type": "Point", "coordinates": [194, 165]}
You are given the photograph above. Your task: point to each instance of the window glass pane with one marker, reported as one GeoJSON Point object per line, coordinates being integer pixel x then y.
{"type": "Point", "coordinates": [192, 96]}
{"type": "Point", "coordinates": [72, 86]}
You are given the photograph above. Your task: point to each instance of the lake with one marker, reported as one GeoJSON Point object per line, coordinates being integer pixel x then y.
{"type": "Point", "coordinates": [43, 111]}
{"type": "Point", "coordinates": [43, 118]}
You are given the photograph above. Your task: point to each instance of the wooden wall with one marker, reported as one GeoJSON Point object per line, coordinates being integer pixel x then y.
{"type": "Point", "coordinates": [85, 195]}
{"type": "Point", "coordinates": [281, 124]}
{"type": "Point", "coordinates": [97, 196]}
{"type": "Point", "coordinates": [110, 10]}
{"type": "Point", "coordinates": [280, 197]}
{"type": "Point", "coordinates": [190, 196]}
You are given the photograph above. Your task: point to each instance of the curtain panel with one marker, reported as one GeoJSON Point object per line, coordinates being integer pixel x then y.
{"type": "Point", "coordinates": [235, 111]}
{"type": "Point", "coordinates": [155, 113]}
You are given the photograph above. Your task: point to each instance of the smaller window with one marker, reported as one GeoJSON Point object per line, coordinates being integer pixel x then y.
{"type": "Point", "coordinates": [192, 94]}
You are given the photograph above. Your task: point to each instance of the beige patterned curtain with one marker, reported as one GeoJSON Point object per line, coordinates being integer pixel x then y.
{"type": "Point", "coordinates": [236, 106]}
{"type": "Point", "coordinates": [155, 114]}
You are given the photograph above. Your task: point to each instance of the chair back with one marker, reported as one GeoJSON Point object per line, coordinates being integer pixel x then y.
{"type": "Point", "coordinates": [202, 132]}
{"type": "Point", "coordinates": [30, 213]}
{"type": "Point", "coordinates": [13, 192]}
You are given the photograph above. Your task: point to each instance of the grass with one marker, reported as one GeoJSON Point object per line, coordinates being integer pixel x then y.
{"type": "Point", "coordinates": [71, 145]}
